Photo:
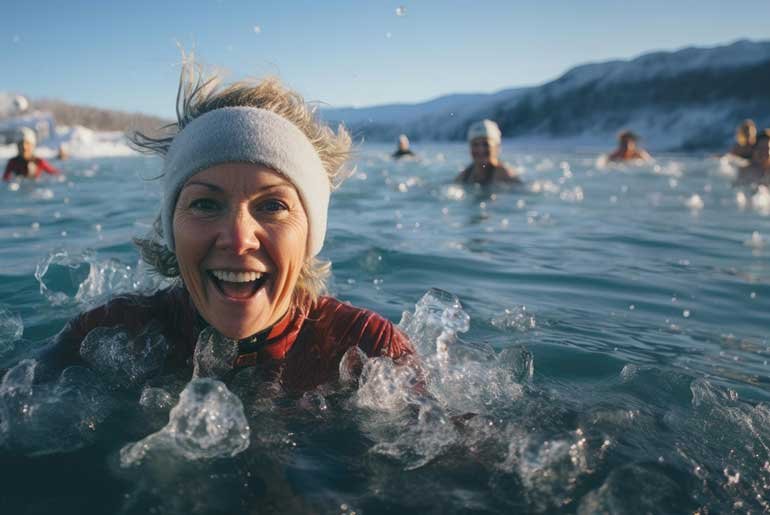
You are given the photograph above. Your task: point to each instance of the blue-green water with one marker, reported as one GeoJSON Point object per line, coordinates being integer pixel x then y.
{"type": "Point", "coordinates": [616, 359]}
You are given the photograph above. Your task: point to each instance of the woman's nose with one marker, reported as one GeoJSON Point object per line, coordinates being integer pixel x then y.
{"type": "Point", "coordinates": [240, 233]}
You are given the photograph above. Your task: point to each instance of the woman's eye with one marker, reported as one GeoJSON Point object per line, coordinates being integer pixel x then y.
{"type": "Point", "coordinates": [206, 205]}
{"type": "Point", "coordinates": [273, 206]}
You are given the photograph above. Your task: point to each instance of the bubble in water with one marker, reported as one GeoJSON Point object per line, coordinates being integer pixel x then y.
{"type": "Point", "coordinates": [214, 354]}
{"type": "Point", "coordinates": [694, 203]}
{"type": "Point", "coordinates": [760, 201]}
{"type": "Point", "coordinates": [11, 329]}
{"type": "Point", "coordinates": [756, 242]}
{"type": "Point", "coordinates": [313, 402]}
{"type": "Point", "coordinates": [124, 359]}
{"type": "Point", "coordinates": [208, 422]}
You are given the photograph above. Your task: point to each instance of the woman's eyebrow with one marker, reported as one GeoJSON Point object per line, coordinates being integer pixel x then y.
{"type": "Point", "coordinates": [208, 185]}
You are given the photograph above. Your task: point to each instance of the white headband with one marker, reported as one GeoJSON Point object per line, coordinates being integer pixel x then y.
{"type": "Point", "coordinates": [27, 134]}
{"type": "Point", "coordinates": [485, 129]}
{"type": "Point", "coordinates": [248, 135]}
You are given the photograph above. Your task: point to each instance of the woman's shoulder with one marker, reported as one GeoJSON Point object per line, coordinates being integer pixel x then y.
{"type": "Point", "coordinates": [342, 322]}
{"type": "Point", "coordinates": [133, 311]}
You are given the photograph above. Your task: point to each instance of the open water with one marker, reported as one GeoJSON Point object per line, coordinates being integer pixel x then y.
{"type": "Point", "coordinates": [595, 341]}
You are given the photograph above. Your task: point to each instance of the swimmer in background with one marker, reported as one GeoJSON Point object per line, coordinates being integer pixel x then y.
{"type": "Point", "coordinates": [484, 138]}
{"type": "Point", "coordinates": [403, 149]}
{"type": "Point", "coordinates": [627, 149]}
{"type": "Point", "coordinates": [63, 153]}
{"type": "Point", "coordinates": [26, 165]}
{"type": "Point", "coordinates": [758, 170]}
{"type": "Point", "coordinates": [745, 140]}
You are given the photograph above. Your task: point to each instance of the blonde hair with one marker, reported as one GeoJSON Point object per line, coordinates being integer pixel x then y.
{"type": "Point", "coordinates": [199, 94]}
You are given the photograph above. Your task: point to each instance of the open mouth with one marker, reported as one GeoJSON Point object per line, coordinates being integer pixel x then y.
{"type": "Point", "coordinates": [237, 285]}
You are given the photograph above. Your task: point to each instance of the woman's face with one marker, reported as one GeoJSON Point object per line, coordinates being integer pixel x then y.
{"type": "Point", "coordinates": [483, 152]}
{"type": "Point", "coordinates": [241, 239]}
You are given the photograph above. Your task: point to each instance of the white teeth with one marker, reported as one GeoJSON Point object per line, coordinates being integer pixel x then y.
{"type": "Point", "coordinates": [236, 277]}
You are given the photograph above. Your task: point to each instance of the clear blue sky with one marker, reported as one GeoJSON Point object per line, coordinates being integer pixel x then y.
{"type": "Point", "coordinates": [123, 54]}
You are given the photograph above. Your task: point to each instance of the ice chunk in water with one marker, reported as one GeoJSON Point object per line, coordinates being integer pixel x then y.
{"type": "Point", "coordinates": [214, 354]}
{"type": "Point", "coordinates": [11, 329]}
{"type": "Point", "coordinates": [208, 422]}
{"type": "Point", "coordinates": [123, 359]}
{"type": "Point", "coordinates": [50, 417]}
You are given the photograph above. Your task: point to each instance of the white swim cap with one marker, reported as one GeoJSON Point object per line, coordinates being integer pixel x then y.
{"type": "Point", "coordinates": [404, 140]}
{"type": "Point", "coordinates": [20, 104]}
{"type": "Point", "coordinates": [248, 135]}
{"type": "Point", "coordinates": [485, 129]}
{"type": "Point", "coordinates": [27, 134]}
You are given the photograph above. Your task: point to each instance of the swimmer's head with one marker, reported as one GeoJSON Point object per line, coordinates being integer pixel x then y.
{"type": "Point", "coordinates": [27, 142]}
{"type": "Point", "coordinates": [484, 138]}
{"type": "Point", "coordinates": [748, 133]}
{"type": "Point", "coordinates": [203, 100]}
{"type": "Point", "coordinates": [486, 129]}
{"type": "Point", "coordinates": [403, 142]}
{"type": "Point", "coordinates": [627, 140]}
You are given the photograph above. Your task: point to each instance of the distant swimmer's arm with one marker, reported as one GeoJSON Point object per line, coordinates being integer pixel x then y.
{"type": "Point", "coordinates": [47, 168]}
{"type": "Point", "coordinates": [509, 175]}
{"type": "Point", "coordinates": [643, 154]}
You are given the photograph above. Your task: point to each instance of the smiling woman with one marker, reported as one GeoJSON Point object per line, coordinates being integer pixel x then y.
{"type": "Point", "coordinates": [246, 181]}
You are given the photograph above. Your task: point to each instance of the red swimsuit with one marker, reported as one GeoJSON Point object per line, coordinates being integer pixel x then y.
{"type": "Point", "coordinates": [19, 167]}
{"type": "Point", "coordinates": [303, 350]}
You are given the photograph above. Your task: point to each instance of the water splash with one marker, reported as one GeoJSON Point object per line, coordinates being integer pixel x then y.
{"type": "Point", "coordinates": [66, 277]}
{"type": "Point", "coordinates": [446, 380]}
{"type": "Point", "coordinates": [124, 359]}
{"type": "Point", "coordinates": [45, 418]}
{"type": "Point", "coordinates": [517, 319]}
{"type": "Point", "coordinates": [208, 422]}
{"type": "Point", "coordinates": [11, 329]}
{"type": "Point", "coordinates": [214, 354]}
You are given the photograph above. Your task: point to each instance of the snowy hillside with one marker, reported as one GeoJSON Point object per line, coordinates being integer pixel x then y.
{"type": "Point", "coordinates": [689, 99]}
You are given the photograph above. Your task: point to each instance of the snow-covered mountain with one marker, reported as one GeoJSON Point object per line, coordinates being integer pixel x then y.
{"type": "Point", "coordinates": [688, 99]}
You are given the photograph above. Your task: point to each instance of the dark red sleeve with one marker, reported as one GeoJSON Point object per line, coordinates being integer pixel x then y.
{"type": "Point", "coordinates": [8, 167]}
{"type": "Point", "coordinates": [46, 167]}
{"type": "Point", "coordinates": [379, 337]}
{"type": "Point", "coordinates": [64, 350]}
